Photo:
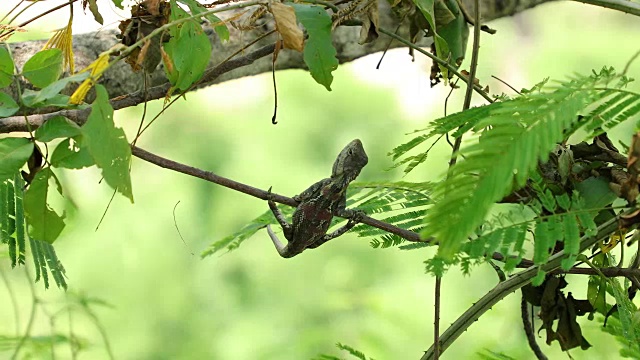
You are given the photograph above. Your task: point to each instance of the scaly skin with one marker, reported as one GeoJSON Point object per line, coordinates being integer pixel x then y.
{"type": "Point", "coordinates": [319, 203]}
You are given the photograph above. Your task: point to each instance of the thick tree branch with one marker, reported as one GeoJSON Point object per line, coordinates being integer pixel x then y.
{"type": "Point", "coordinates": [118, 79]}
{"type": "Point", "coordinates": [18, 123]}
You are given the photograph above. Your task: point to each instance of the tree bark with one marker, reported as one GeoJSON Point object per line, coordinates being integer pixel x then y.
{"type": "Point", "coordinates": [121, 81]}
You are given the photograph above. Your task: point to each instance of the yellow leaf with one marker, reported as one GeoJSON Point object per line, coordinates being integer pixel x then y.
{"type": "Point", "coordinates": [62, 39]}
{"type": "Point", "coordinates": [97, 68]}
{"type": "Point", "coordinates": [287, 26]}
{"type": "Point", "coordinates": [614, 239]}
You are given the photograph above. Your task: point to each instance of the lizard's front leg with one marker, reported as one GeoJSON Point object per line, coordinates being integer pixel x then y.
{"type": "Point", "coordinates": [354, 218]}
{"type": "Point", "coordinates": [342, 211]}
{"type": "Point", "coordinates": [286, 227]}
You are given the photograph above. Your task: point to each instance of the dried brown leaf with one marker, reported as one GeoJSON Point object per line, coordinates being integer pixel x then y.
{"type": "Point", "coordinates": [287, 26]}
{"type": "Point", "coordinates": [153, 6]}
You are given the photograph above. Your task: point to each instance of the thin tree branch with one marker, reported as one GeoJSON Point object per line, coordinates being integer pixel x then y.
{"type": "Point", "coordinates": [625, 6]}
{"type": "Point", "coordinates": [436, 320]}
{"type": "Point", "coordinates": [514, 283]}
{"type": "Point", "coordinates": [258, 193]}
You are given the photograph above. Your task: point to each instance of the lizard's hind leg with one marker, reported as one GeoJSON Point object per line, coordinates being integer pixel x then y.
{"type": "Point", "coordinates": [274, 238]}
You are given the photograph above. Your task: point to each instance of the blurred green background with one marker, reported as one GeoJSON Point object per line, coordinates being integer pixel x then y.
{"type": "Point", "coordinates": [252, 304]}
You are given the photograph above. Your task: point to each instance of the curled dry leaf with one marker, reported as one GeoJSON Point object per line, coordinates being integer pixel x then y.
{"type": "Point", "coordinates": [167, 61]}
{"type": "Point", "coordinates": [287, 26]}
{"type": "Point", "coordinates": [153, 7]}
{"type": "Point", "coordinates": [369, 30]}
{"type": "Point", "coordinates": [629, 189]}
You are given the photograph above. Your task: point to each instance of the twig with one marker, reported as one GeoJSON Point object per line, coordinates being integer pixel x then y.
{"type": "Point", "coordinates": [507, 84]}
{"type": "Point", "coordinates": [631, 60]}
{"type": "Point", "coordinates": [175, 223]}
{"type": "Point", "coordinates": [474, 58]}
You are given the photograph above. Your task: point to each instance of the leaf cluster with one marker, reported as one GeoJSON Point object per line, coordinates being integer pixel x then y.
{"type": "Point", "coordinates": [510, 139]}
{"type": "Point", "coordinates": [13, 234]}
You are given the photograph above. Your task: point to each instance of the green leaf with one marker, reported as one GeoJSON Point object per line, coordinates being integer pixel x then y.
{"type": "Point", "coordinates": [118, 4]}
{"type": "Point", "coordinates": [189, 49]}
{"type": "Point", "coordinates": [10, 225]}
{"type": "Point", "coordinates": [222, 30]}
{"type": "Point", "coordinates": [539, 278]}
{"type": "Point", "coordinates": [233, 241]}
{"type": "Point", "coordinates": [197, 8]}
{"type": "Point", "coordinates": [50, 93]}
{"type": "Point", "coordinates": [356, 353]}
{"type": "Point", "coordinates": [571, 240]}
{"type": "Point", "coordinates": [548, 200]}
{"type": "Point", "coordinates": [597, 287]}
{"type": "Point", "coordinates": [108, 144]}
{"type": "Point", "coordinates": [563, 201]}
{"type": "Point", "coordinates": [6, 68]}
{"type": "Point", "coordinates": [319, 53]}
{"type": "Point", "coordinates": [55, 267]}
{"type": "Point", "coordinates": [4, 212]}
{"type": "Point", "coordinates": [57, 127]}
{"type": "Point", "coordinates": [8, 106]}
{"type": "Point", "coordinates": [455, 34]}
{"type": "Point", "coordinates": [542, 243]}
{"type": "Point", "coordinates": [93, 7]}
{"type": "Point", "coordinates": [20, 235]}
{"type": "Point", "coordinates": [14, 153]}
{"type": "Point", "coordinates": [39, 262]}
{"type": "Point", "coordinates": [44, 67]}
{"type": "Point", "coordinates": [595, 192]}
{"type": "Point", "coordinates": [426, 7]}
{"type": "Point", "coordinates": [626, 309]}
{"type": "Point", "coordinates": [71, 156]}
{"type": "Point", "coordinates": [44, 223]}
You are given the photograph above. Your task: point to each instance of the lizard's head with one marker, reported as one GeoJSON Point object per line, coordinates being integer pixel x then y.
{"type": "Point", "coordinates": [350, 161]}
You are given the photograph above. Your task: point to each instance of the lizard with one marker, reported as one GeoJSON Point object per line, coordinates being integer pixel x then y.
{"type": "Point", "coordinates": [319, 203]}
